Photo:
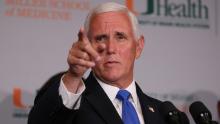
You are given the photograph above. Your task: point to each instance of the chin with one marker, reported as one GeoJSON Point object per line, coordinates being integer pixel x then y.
{"type": "Point", "coordinates": [110, 78]}
{"type": "Point", "coordinates": [108, 75]}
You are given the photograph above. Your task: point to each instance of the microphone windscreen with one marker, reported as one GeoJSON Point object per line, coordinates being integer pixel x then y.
{"type": "Point", "coordinates": [170, 113]}
{"type": "Point", "coordinates": [167, 107]}
{"type": "Point", "coordinates": [197, 108]}
{"type": "Point", "coordinates": [200, 113]}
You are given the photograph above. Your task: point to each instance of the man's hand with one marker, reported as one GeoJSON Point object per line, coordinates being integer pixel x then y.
{"type": "Point", "coordinates": [82, 56]}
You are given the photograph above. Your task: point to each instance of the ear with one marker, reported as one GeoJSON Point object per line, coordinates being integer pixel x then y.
{"type": "Point", "coordinates": [139, 46]}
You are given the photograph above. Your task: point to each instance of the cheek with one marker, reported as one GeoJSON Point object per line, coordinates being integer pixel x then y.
{"type": "Point", "coordinates": [128, 55]}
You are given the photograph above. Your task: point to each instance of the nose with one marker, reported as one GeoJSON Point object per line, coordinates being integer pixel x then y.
{"type": "Point", "coordinates": [111, 46]}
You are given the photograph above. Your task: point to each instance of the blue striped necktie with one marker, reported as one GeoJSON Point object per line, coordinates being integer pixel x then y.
{"type": "Point", "coordinates": [129, 114]}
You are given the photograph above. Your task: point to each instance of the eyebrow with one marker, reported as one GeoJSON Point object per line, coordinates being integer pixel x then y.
{"type": "Point", "coordinates": [101, 36]}
{"type": "Point", "coordinates": [121, 33]}
{"type": "Point", "coordinates": [117, 33]}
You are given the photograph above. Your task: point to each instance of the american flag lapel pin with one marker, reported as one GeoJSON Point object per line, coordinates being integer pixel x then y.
{"type": "Point", "coordinates": [151, 109]}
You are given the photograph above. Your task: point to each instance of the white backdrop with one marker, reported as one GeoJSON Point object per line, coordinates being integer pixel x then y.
{"type": "Point", "coordinates": [180, 62]}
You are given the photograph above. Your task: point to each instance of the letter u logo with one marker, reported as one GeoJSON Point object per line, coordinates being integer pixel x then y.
{"type": "Point", "coordinates": [17, 98]}
{"type": "Point", "coordinates": [149, 7]}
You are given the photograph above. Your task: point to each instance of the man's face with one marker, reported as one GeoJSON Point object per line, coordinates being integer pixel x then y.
{"type": "Point", "coordinates": [111, 35]}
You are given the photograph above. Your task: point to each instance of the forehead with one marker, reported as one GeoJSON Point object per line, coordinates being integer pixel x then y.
{"type": "Point", "coordinates": [110, 21]}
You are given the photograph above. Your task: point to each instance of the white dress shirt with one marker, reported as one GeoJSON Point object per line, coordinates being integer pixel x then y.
{"type": "Point", "coordinates": [69, 98]}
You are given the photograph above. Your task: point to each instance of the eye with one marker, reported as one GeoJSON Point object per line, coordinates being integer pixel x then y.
{"type": "Point", "coordinates": [101, 38]}
{"type": "Point", "coordinates": [121, 36]}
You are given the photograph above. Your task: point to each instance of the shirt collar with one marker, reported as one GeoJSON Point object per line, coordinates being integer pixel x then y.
{"type": "Point", "coordinates": [132, 89]}
{"type": "Point", "coordinates": [112, 91]}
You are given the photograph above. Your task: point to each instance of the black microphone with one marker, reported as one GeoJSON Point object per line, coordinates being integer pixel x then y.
{"type": "Point", "coordinates": [200, 113]}
{"type": "Point", "coordinates": [214, 122]}
{"type": "Point", "coordinates": [183, 118]}
{"type": "Point", "coordinates": [172, 115]}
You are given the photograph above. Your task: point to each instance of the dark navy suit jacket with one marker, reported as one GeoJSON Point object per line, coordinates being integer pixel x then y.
{"type": "Point", "coordinates": [95, 106]}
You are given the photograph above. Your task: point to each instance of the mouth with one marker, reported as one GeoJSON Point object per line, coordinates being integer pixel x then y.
{"type": "Point", "coordinates": [111, 63]}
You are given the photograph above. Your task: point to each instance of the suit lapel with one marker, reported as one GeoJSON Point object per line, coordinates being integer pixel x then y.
{"type": "Point", "coordinates": [100, 102]}
{"type": "Point", "coordinates": [149, 109]}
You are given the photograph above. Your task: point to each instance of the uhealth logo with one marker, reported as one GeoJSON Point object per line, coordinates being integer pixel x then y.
{"type": "Point", "coordinates": [187, 13]}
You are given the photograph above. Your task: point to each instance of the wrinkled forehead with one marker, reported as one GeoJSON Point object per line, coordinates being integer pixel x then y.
{"type": "Point", "coordinates": [111, 26]}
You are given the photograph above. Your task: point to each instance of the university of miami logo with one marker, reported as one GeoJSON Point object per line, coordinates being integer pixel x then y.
{"type": "Point", "coordinates": [184, 13]}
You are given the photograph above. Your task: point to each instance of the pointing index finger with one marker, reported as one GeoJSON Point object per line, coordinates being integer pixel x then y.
{"type": "Point", "coordinates": [87, 47]}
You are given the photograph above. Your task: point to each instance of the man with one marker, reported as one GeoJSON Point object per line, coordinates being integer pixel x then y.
{"type": "Point", "coordinates": [109, 45]}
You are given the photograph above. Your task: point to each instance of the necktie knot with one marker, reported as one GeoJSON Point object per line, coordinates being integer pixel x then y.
{"type": "Point", "coordinates": [129, 114]}
{"type": "Point", "coordinates": [123, 95]}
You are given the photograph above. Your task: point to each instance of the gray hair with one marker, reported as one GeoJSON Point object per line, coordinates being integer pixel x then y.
{"type": "Point", "coordinates": [113, 7]}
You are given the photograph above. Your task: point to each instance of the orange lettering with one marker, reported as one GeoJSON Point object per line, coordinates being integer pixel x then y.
{"type": "Point", "coordinates": [17, 98]}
